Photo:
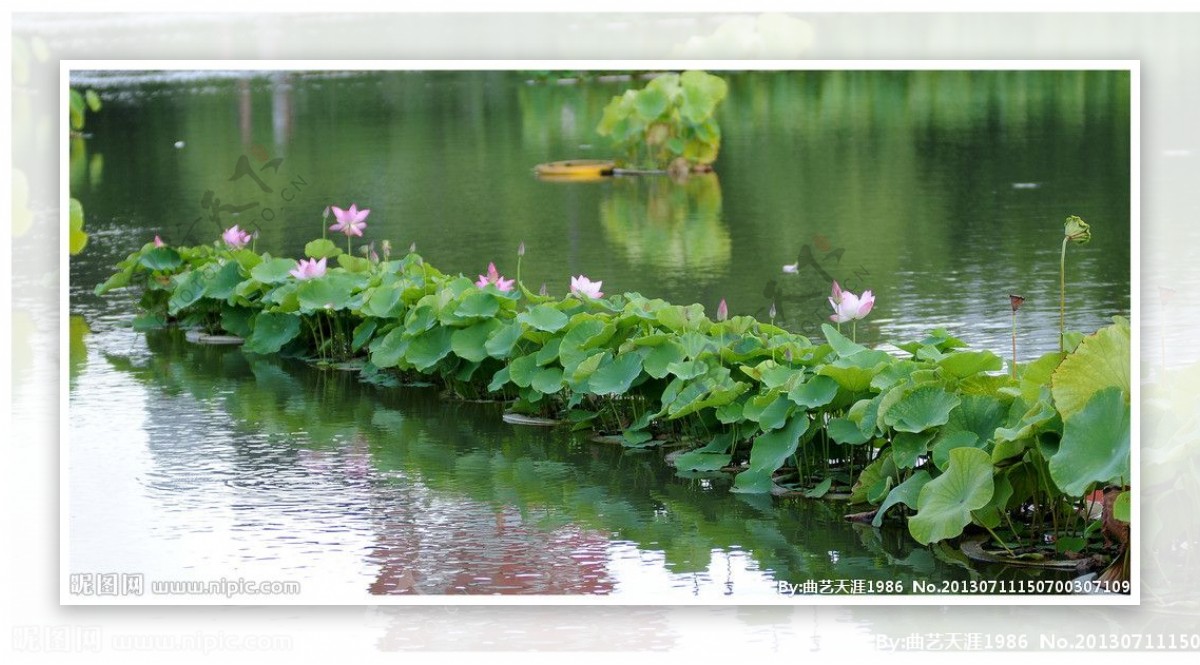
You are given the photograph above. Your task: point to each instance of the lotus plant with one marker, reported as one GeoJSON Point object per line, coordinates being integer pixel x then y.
{"type": "Point", "coordinates": [235, 238]}
{"type": "Point", "coordinates": [582, 286]}
{"type": "Point", "coordinates": [308, 269]}
{"type": "Point", "coordinates": [351, 222]}
{"type": "Point", "coordinates": [722, 311]}
{"type": "Point", "coordinates": [849, 307]}
{"type": "Point", "coordinates": [1076, 231]}
{"type": "Point", "coordinates": [158, 242]}
{"type": "Point", "coordinates": [494, 277]}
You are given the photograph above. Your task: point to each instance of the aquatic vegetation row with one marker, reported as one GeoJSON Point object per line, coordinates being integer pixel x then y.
{"type": "Point", "coordinates": [941, 435]}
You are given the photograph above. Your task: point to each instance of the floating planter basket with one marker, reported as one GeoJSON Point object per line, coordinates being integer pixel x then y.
{"type": "Point", "coordinates": [520, 419]}
{"type": "Point", "coordinates": [197, 337]}
{"type": "Point", "coordinates": [575, 169]}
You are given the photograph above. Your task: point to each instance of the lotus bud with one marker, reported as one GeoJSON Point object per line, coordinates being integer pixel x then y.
{"type": "Point", "coordinates": [412, 249]}
{"type": "Point", "coordinates": [521, 249]}
{"type": "Point", "coordinates": [722, 311]}
{"type": "Point", "coordinates": [1015, 301]}
{"type": "Point", "coordinates": [771, 312]}
{"type": "Point", "coordinates": [386, 247]}
{"type": "Point", "coordinates": [544, 291]}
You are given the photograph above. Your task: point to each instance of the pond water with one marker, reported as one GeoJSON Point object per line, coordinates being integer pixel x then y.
{"type": "Point", "coordinates": [942, 192]}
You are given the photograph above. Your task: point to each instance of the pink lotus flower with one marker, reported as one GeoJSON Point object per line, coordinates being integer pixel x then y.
{"type": "Point", "coordinates": [494, 277]}
{"type": "Point", "coordinates": [582, 286]}
{"type": "Point", "coordinates": [351, 222]}
{"type": "Point", "coordinates": [849, 307]}
{"type": "Point", "coordinates": [722, 311]}
{"type": "Point", "coordinates": [158, 242]}
{"type": "Point", "coordinates": [309, 269]}
{"type": "Point", "coordinates": [235, 237]}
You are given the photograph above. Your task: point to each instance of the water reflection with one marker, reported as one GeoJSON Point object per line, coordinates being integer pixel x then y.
{"type": "Point", "coordinates": [662, 222]}
{"type": "Point", "coordinates": [270, 461]}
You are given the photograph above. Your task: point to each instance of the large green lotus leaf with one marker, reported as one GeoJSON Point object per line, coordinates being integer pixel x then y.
{"type": "Point", "coordinates": [893, 374]}
{"type": "Point", "coordinates": [321, 248]}
{"type": "Point", "coordinates": [844, 430]}
{"type": "Point", "coordinates": [522, 369]}
{"type": "Point", "coordinates": [715, 397]}
{"type": "Point", "coordinates": [237, 320]}
{"type": "Point", "coordinates": [852, 378]}
{"type": "Point", "coordinates": [768, 453]}
{"type": "Point", "coordinates": [920, 409]}
{"type": "Point", "coordinates": [385, 302]}
{"type": "Point", "coordinates": [479, 304]}
{"type": "Point", "coordinates": [188, 289]}
{"type": "Point", "coordinates": [908, 447]}
{"type": "Point", "coordinates": [389, 350]}
{"type": "Point", "coordinates": [579, 374]}
{"type": "Point", "coordinates": [499, 379]}
{"type": "Point", "coordinates": [549, 351]}
{"type": "Point", "coordinates": [650, 103]}
{"type": "Point", "coordinates": [363, 333]}
{"type": "Point", "coordinates": [991, 514]}
{"type": "Point", "coordinates": [548, 380]}
{"type": "Point", "coordinates": [221, 284]}
{"type": "Point", "coordinates": [1007, 449]}
{"type": "Point", "coordinates": [582, 331]}
{"type": "Point", "coordinates": [696, 345]}
{"type": "Point", "coordinates": [1122, 507]}
{"type": "Point", "coordinates": [1101, 361]}
{"type": "Point", "coordinates": [816, 392]}
{"type": "Point", "coordinates": [770, 411]}
{"type": "Point", "coordinates": [980, 415]}
{"type": "Point", "coordinates": [876, 472]}
{"type": "Point", "coordinates": [323, 293]}
{"type": "Point", "coordinates": [469, 343]}
{"type": "Point", "coordinates": [701, 94]}
{"type": "Point", "coordinates": [944, 444]}
{"type": "Point", "coordinates": [1039, 417]}
{"type": "Point", "coordinates": [661, 357]}
{"type": "Point", "coordinates": [356, 264]}
{"type": "Point", "coordinates": [502, 340]}
{"type": "Point", "coordinates": [273, 271]}
{"type": "Point", "coordinates": [1095, 444]}
{"type": "Point", "coordinates": [616, 377]}
{"type": "Point", "coordinates": [962, 364]}
{"type": "Point", "coordinates": [429, 347]}
{"type": "Point", "coordinates": [905, 493]}
{"type": "Point", "coordinates": [776, 376]}
{"type": "Point", "coordinates": [271, 331]}
{"type": "Point", "coordinates": [544, 317]}
{"type": "Point", "coordinates": [1035, 376]}
{"type": "Point", "coordinates": [840, 343]}
{"type": "Point", "coordinates": [945, 503]}
{"type": "Point", "coordinates": [161, 258]}
{"type": "Point", "coordinates": [711, 457]}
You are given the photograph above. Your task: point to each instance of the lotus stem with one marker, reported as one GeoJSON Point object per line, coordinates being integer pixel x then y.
{"type": "Point", "coordinates": [1062, 299]}
{"type": "Point", "coordinates": [1014, 344]}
